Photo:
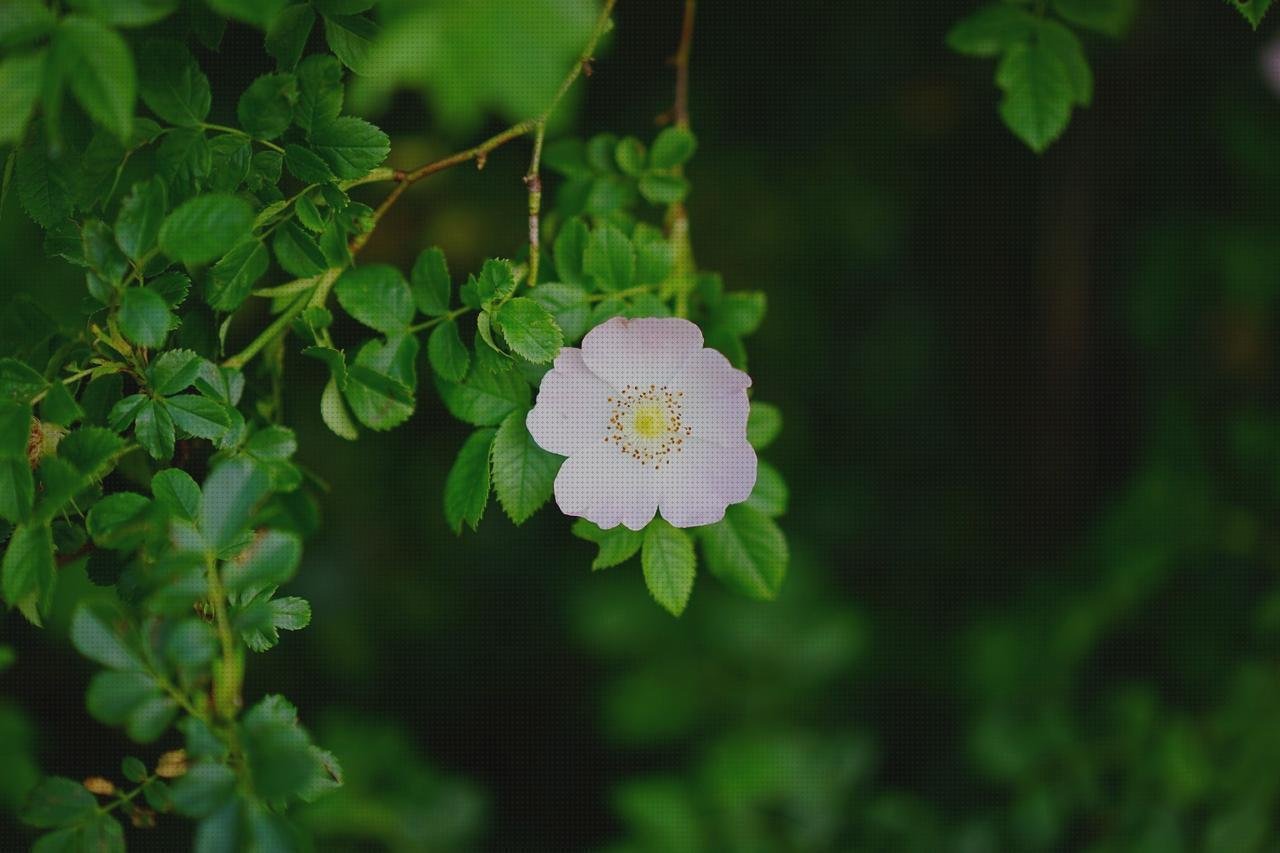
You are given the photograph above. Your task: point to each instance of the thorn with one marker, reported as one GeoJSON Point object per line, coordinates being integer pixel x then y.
{"type": "Point", "coordinates": [588, 66]}
{"type": "Point", "coordinates": [481, 159]}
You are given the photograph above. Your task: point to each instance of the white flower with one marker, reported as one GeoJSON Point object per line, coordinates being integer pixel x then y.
{"type": "Point", "coordinates": [650, 420]}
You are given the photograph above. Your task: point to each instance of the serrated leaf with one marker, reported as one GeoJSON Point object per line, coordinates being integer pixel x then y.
{"type": "Point", "coordinates": [496, 281]}
{"type": "Point", "coordinates": [153, 428]}
{"type": "Point", "coordinates": [99, 67]}
{"type": "Point", "coordinates": [485, 398]}
{"type": "Point", "coordinates": [378, 296]}
{"type": "Point", "coordinates": [145, 318]}
{"type": "Point", "coordinates": [172, 84]}
{"type": "Point", "coordinates": [44, 185]}
{"type": "Point", "coordinates": [430, 282]}
{"type": "Point", "coordinates": [747, 551]}
{"type": "Point", "coordinates": [27, 568]}
{"type": "Point", "coordinates": [617, 544]}
{"type": "Point", "coordinates": [530, 331]}
{"type": "Point", "coordinates": [466, 489]}
{"type": "Point", "coordinates": [232, 278]}
{"type": "Point", "coordinates": [1253, 10]}
{"type": "Point", "coordinates": [270, 560]}
{"type": "Point", "coordinates": [333, 411]}
{"type": "Point", "coordinates": [381, 381]}
{"type": "Point", "coordinates": [228, 499]}
{"type": "Point", "coordinates": [568, 304]}
{"type": "Point", "coordinates": [350, 146]}
{"type": "Point", "coordinates": [141, 212]}
{"type": "Point", "coordinates": [306, 165]}
{"type": "Point", "coordinates": [1038, 94]}
{"type": "Point", "coordinates": [351, 39]}
{"type": "Point", "coordinates": [265, 110]}
{"type": "Point", "coordinates": [58, 802]}
{"type": "Point", "coordinates": [200, 416]}
{"type": "Point", "coordinates": [203, 789]}
{"type": "Point", "coordinates": [669, 565]}
{"type": "Point", "coordinates": [118, 521]}
{"type": "Point", "coordinates": [1111, 17]}
{"type": "Point", "coordinates": [174, 489]}
{"type": "Point", "coordinates": [287, 35]}
{"type": "Point", "coordinates": [770, 493]}
{"type": "Point", "coordinates": [319, 91]}
{"type": "Point", "coordinates": [205, 227]}
{"type": "Point", "coordinates": [447, 353]}
{"type": "Point", "coordinates": [1063, 44]}
{"type": "Point", "coordinates": [523, 473]}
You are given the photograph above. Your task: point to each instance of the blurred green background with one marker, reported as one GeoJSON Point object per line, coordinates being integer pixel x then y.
{"type": "Point", "coordinates": [1032, 438]}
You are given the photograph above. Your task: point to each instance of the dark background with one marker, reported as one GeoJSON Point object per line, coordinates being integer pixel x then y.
{"type": "Point", "coordinates": [1031, 439]}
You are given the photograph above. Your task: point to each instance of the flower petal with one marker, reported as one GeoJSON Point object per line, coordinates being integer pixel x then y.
{"type": "Point", "coordinates": [607, 488]}
{"type": "Point", "coordinates": [572, 412]}
{"type": "Point", "coordinates": [696, 488]}
{"type": "Point", "coordinates": [715, 404]}
{"type": "Point", "coordinates": [644, 351]}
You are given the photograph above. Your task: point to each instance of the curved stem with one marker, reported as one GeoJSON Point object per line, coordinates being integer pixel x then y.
{"type": "Point", "coordinates": [238, 132]}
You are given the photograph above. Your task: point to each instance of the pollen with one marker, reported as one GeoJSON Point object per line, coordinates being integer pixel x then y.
{"type": "Point", "coordinates": [647, 424]}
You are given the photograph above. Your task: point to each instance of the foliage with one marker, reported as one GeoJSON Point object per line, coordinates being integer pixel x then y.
{"type": "Point", "coordinates": [143, 445]}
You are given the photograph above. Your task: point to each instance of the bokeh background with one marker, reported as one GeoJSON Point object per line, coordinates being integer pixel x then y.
{"type": "Point", "coordinates": [1032, 437]}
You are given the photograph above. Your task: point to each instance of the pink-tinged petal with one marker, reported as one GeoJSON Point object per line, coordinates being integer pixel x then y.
{"type": "Point", "coordinates": [572, 411]}
{"type": "Point", "coordinates": [644, 351]}
{"type": "Point", "coordinates": [607, 488]}
{"type": "Point", "coordinates": [715, 403]}
{"type": "Point", "coordinates": [697, 487]}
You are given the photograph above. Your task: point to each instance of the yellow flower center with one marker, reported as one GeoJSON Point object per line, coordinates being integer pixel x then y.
{"type": "Point", "coordinates": [649, 420]}
{"type": "Point", "coordinates": [647, 424]}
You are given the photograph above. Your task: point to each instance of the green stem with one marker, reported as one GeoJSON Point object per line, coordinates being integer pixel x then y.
{"type": "Point", "coordinates": [533, 180]}
{"type": "Point", "coordinates": [435, 321]}
{"type": "Point", "coordinates": [121, 799]}
{"type": "Point", "coordinates": [229, 674]}
{"type": "Point", "coordinates": [238, 132]}
{"type": "Point", "coordinates": [281, 322]}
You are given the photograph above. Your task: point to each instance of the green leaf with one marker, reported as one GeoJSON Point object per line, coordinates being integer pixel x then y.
{"type": "Point", "coordinates": [1253, 10]}
{"type": "Point", "coordinates": [569, 249]}
{"type": "Point", "coordinates": [1111, 17]}
{"type": "Point", "coordinates": [172, 84]}
{"type": "Point", "coordinates": [496, 281]}
{"type": "Point", "coordinates": [381, 381]}
{"type": "Point", "coordinates": [17, 489]}
{"type": "Point", "coordinates": [204, 788]}
{"type": "Point", "coordinates": [448, 355]}
{"type": "Point", "coordinates": [113, 695]}
{"type": "Point", "coordinates": [174, 489]}
{"type": "Point", "coordinates": [298, 252]}
{"type": "Point", "coordinates": [118, 521]}
{"type": "Point", "coordinates": [747, 551]}
{"type": "Point", "coordinates": [229, 496]}
{"type": "Point", "coordinates": [23, 21]}
{"type": "Point", "coordinates": [630, 156]}
{"type": "Point", "coordinates": [609, 258]}
{"type": "Point", "coordinates": [673, 147]}
{"type": "Point", "coordinates": [466, 489]}
{"type": "Point", "coordinates": [151, 719]}
{"type": "Point", "coordinates": [192, 643]}
{"type": "Point", "coordinates": [770, 493]}
{"type": "Point", "coordinates": [145, 318]}
{"type": "Point", "coordinates": [99, 635]}
{"type": "Point", "coordinates": [617, 544]}
{"type": "Point", "coordinates": [21, 78]}
{"type": "Point", "coordinates": [669, 565]}
{"type": "Point", "coordinates": [232, 278]}
{"type": "Point", "coordinates": [655, 254]}
{"type": "Point", "coordinates": [530, 330]}
{"type": "Point", "coordinates": [485, 398]}
{"type": "Point", "coordinates": [378, 296]}
{"type": "Point", "coordinates": [141, 212]}
{"type": "Point", "coordinates": [334, 413]}
{"type": "Point", "coordinates": [663, 189]}
{"type": "Point", "coordinates": [100, 70]}
{"type": "Point", "coordinates": [270, 560]}
{"type": "Point", "coordinates": [15, 429]}
{"type": "Point", "coordinates": [351, 39]}
{"type": "Point", "coordinates": [127, 13]}
{"type": "Point", "coordinates": [200, 416]}
{"type": "Point", "coordinates": [430, 282]}
{"type": "Point", "coordinates": [739, 313]}
{"type": "Point", "coordinates": [763, 424]}
{"type": "Point", "coordinates": [523, 473]}
{"type": "Point", "coordinates": [44, 185]}
{"type": "Point", "coordinates": [1063, 44]}
{"type": "Point", "coordinates": [306, 165]}
{"type": "Point", "coordinates": [350, 146]}
{"type": "Point", "coordinates": [58, 802]}
{"type": "Point", "coordinates": [568, 156]}
{"type": "Point", "coordinates": [28, 567]}
{"type": "Point", "coordinates": [1038, 93]}
{"type": "Point", "coordinates": [569, 306]}
{"type": "Point", "coordinates": [205, 227]}
{"type": "Point", "coordinates": [992, 30]}
{"type": "Point", "coordinates": [265, 110]}
{"type": "Point", "coordinates": [278, 749]}
{"type": "Point", "coordinates": [288, 33]}
{"type": "Point", "coordinates": [133, 769]}
{"type": "Point", "coordinates": [319, 91]}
